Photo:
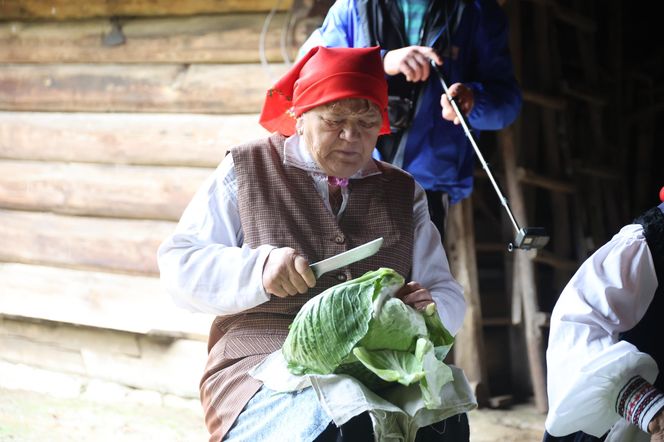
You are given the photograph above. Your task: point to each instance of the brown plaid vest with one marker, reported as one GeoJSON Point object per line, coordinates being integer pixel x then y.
{"type": "Point", "coordinates": [279, 205]}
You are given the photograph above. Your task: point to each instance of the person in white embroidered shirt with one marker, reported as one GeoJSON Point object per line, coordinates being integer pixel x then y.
{"type": "Point", "coordinates": [243, 245]}
{"type": "Point", "coordinates": [605, 349]}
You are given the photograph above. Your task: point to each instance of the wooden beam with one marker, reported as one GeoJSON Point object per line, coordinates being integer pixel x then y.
{"type": "Point", "coordinates": [144, 139]}
{"type": "Point", "coordinates": [525, 286]}
{"type": "Point", "coordinates": [469, 351]}
{"type": "Point", "coordinates": [544, 100]}
{"type": "Point", "coordinates": [135, 304]}
{"type": "Point", "coordinates": [78, 9]}
{"type": "Point", "coordinates": [230, 38]}
{"type": "Point", "coordinates": [526, 176]}
{"type": "Point", "coordinates": [174, 366]}
{"type": "Point", "coordinates": [111, 191]}
{"type": "Point", "coordinates": [216, 89]}
{"type": "Point", "coordinates": [125, 246]}
{"type": "Point", "coordinates": [553, 260]}
{"type": "Point", "coordinates": [597, 171]}
{"type": "Point", "coordinates": [589, 97]}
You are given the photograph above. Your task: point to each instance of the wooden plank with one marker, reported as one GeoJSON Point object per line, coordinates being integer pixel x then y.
{"type": "Point", "coordinates": [139, 192]}
{"type": "Point", "coordinates": [228, 38]}
{"type": "Point", "coordinates": [146, 139]}
{"type": "Point", "coordinates": [526, 176]}
{"type": "Point", "coordinates": [591, 97]}
{"type": "Point", "coordinates": [18, 349]}
{"type": "Point", "coordinates": [525, 286]}
{"type": "Point", "coordinates": [66, 336]}
{"type": "Point", "coordinates": [128, 303]}
{"type": "Point", "coordinates": [128, 246]}
{"type": "Point", "coordinates": [469, 351]}
{"type": "Point", "coordinates": [164, 365]}
{"type": "Point", "coordinates": [173, 367]}
{"type": "Point", "coordinates": [544, 100]}
{"type": "Point", "coordinates": [225, 89]}
{"type": "Point", "coordinates": [66, 9]}
{"type": "Point", "coordinates": [553, 260]}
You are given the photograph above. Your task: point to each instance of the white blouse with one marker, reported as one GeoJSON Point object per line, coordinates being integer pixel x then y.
{"type": "Point", "coordinates": [587, 363]}
{"type": "Point", "coordinates": [206, 266]}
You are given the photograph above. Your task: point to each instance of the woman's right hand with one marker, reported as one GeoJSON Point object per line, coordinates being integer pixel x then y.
{"type": "Point", "coordinates": [286, 273]}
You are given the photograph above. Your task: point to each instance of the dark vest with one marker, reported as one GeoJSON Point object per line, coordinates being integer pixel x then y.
{"type": "Point", "coordinates": [647, 334]}
{"type": "Point", "coordinates": [279, 205]}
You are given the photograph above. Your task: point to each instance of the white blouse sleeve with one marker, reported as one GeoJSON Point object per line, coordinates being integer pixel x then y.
{"type": "Point", "coordinates": [587, 362]}
{"type": "Point", "coordinates": [431, 268]}
{"type": "Point", "coordinates": [204, 264]}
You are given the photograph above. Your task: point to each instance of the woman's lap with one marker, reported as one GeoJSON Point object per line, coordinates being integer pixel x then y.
{"type": "Point", "coordinates": [298, 416]}
{"type": "Point", "coordinates": [270, 416]}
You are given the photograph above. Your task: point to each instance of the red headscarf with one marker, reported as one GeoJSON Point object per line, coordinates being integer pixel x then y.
{"type": "Point", "coordinates": [322, 76]}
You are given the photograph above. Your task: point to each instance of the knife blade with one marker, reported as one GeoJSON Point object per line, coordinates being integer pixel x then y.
{"type": "Point", "coordinates": [347, 257]}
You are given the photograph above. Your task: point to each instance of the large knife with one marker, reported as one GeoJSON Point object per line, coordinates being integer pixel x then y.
{"type": "Point", "coordinates": [347, 257]}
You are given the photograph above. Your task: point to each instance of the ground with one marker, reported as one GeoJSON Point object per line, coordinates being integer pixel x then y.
{"type": "Point", "coordinates": [30, 416]}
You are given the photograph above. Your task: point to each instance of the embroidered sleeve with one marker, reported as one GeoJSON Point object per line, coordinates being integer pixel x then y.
{"type": "Point", "coordinates": [638, 402]}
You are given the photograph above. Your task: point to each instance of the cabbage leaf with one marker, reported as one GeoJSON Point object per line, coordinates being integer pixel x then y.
{"type": "Point", "coordinates": [360, 328]}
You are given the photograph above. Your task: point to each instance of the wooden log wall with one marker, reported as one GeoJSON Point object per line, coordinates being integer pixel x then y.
{"type": "Point", "coordinates": [111, 116]}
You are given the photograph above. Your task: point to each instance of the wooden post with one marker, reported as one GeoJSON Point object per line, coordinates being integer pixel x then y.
{"type": "Point", "coordinates": [469, 347]}
{"type": "Point", "coordinates": [524, 276]}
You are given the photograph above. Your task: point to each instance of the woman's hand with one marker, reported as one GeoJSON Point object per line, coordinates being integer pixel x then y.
{"type": "Point", "coordinates": [464, 98]}
{"type": "Point", "coordinates": [412, 61]}
{"type": "Point", "coordinates": [286, 273]}
{"type": "Point", "coordinates": [415, 295]}
{"type": "Point", "coordinates": [656, 427]}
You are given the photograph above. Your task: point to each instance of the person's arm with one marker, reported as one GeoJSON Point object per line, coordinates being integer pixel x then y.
{"type": "Point", "coordinates": [431, 269]}
{"type": "Point", "coordinates": [338, 28]}
{"type": "Point", "coordinates": [495, 91]}
{"type": "Point", "coordinates": [204, 264]}
{"type": "Point", "coordinates": [588, 366]}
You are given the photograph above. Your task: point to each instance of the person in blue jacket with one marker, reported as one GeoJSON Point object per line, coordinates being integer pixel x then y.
{"type": "Point", "coordinates": [469, 41]}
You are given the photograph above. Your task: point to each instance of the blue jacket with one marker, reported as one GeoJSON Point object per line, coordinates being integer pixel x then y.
{"type": "Point", "coordinates": [437, 153]}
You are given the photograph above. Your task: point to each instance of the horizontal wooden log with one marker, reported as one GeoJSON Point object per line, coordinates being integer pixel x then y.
{"type": "Point", "coordinates": [66, 9]}
{"type": "Point", "coordinates": [123, 246]}
{"type": "Point", "coordinates": [546, 101]}
{"type": "Point", "coordinates": [140, 192]}
{"type": "Point", "coordinates": [526, 176]}
{"type": "Point", "coordinates": [147, 139]}
{"type": "Point", "coordinates": [589, 96]}
{"type": "Point", "coordinates": [134, 304]}
{"type": "Point", "coordinates": [98, 354]}
{"type": "Point", "coordinates": [597, 171]}
{"type": "Point", "coordinates": [551, 259]}
{"type": "Point", "coordinates": [230, 38]}
{"type": "Point", "coordinates": [216, 89]}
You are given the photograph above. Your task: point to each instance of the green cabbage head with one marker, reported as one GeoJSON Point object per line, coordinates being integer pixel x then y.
{"type": "Point", "coordinates": [360, 328]}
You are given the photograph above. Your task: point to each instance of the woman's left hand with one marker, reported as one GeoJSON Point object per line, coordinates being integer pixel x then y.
{"type": "Point", "coordinates": [415, 295]}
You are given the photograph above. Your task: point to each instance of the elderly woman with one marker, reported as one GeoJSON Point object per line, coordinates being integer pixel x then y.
{"type": "Point", "coordinates": [311, 190]}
